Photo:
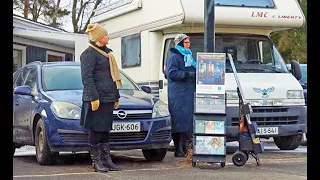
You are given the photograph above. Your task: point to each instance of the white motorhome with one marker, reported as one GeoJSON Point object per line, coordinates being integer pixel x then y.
{"type": "Point", "coordinates": [141, 33]}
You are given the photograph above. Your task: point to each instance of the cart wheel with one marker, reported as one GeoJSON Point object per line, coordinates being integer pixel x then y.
{"type": "Point", "coordinates": [194, 164]}
{"type": "Point", "coordinates": [223, 165]}
{"type": "Point", "coordinates": [239, 158]}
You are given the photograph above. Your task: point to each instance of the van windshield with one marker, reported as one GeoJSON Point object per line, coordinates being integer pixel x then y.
{"type": "Point", "coordinates": [251, 54]}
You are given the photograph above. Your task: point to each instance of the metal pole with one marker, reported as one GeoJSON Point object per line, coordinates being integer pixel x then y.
{"type": "Point", "coordinates": [209, 27]}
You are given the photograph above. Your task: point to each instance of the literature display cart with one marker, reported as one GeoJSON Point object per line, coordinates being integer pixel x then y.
{"type": "Point", "coordinates": [209, 128]}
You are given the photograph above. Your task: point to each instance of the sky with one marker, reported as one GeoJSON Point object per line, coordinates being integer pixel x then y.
{"type": "Point", "coordinates": [67, 22]}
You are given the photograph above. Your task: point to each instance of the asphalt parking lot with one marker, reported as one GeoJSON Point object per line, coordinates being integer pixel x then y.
{"type": "Point", "coordinates": [275, 164]}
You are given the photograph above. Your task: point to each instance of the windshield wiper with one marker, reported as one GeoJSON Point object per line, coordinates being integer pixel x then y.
{"type": "Point", "coordinates": [259, 70]}
{"type": "Point", "coordinates": [238, 70]}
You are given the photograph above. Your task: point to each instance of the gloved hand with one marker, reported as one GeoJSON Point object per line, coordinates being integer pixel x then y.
{"type": "Point", "coordinates": [95, 105]}
{"type": "Point", "coordinates": [116, 104]}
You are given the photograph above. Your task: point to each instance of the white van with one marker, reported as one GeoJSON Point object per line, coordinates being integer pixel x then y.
{"type": "Point", "coordinates": [142, 31]}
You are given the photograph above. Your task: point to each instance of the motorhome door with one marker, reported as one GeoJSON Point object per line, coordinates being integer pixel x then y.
{"type": "Point", "coordinates": [168, 42]}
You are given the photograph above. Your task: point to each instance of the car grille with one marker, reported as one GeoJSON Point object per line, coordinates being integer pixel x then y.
{"type": "Point", "coordinates": [280, 120]}
{"type": "Point", "coordinates": [134, 116]}
{"type": "Point", "coordinates": [270, 120]}
{"type": "Point", "coordinates": [269, 110]}
{"type": "Point", "coordinates": [160, 135]}
{"type": "Point", "coordinates": [114, 137]}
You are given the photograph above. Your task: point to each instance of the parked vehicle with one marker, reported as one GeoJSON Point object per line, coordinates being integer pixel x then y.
{"type": "Point", "coordinates": [241, 27]}
{"type": "Point", "coordinates": [303, 82]}
{"type": "Point", "coordinates": [47, 98]}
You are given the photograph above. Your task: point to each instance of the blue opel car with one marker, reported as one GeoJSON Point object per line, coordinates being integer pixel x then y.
{"type": "Point", "coordinates": [47, 100]}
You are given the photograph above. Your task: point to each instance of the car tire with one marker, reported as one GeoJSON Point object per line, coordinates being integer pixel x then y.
{"type": "Point", "coordinates": [43, 153]}
{"type": "Point", "coordinates": [14, 148]}
{"type": "Point", "coordinates": [154, 154]}
{"type": "Point", "coordinates": [304, 139]}
{"type": "Point", "coordinates": [288, 142]}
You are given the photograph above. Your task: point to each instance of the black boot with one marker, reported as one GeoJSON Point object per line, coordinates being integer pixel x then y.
{"type": "Point", "coordinates": [95, 154]}
{"type": "Point", "coordinates": [178, 143]}
{"type": "Point", "coordinates": [187, 142]}
{"type": "Point", "coordinates": [107, 161]}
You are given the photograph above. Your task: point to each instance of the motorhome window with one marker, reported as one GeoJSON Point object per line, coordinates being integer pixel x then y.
{"type": "Point", "coordinates": [168, 44]}
{"type": "Point", "coordinates": [246, 3]}
{"type": "Point", "coordinates": [131, 50]}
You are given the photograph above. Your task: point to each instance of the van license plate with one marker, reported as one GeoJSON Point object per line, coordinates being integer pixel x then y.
{"type": "Point", "coordinates": [126, 127]}
{"type": "Point", "coordinates": [267, 131]}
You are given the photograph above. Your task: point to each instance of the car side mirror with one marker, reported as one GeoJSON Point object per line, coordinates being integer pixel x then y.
{"type": "Point", "coordinates": [296, 69]}
{"type": "Point", "coordinates": [146, 89]}
{"type": "Point", "coordinates": [22, 90]}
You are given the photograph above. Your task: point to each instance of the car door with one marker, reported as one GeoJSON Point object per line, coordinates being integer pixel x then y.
{"type": "Point", "coordinates": [22, 109]}
{"type": "Point", "coordinates": [17, 81]}
{"type": "Point", "coordinates": [31, 102]}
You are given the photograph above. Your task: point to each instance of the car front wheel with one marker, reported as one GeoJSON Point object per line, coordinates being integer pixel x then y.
{"type": "Point", "coordinates": [43, 153]}
{"type": "Point", "coordinates": [288, 142]}
{"type": "Point", "coordinates": [154, 154]}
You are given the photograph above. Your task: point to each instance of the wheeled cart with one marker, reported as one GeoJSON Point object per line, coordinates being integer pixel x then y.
{"type": "Point", "coordinates": [249, 144]}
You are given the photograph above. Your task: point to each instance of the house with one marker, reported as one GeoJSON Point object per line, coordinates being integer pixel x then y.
{"type": "Point", "coordinates": [33, 41]}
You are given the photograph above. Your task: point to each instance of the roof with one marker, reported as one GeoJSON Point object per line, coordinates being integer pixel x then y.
{"type": "Point", "coordinates": [22, 22]}
{"type": "Point", "coordinates": [59, 38]}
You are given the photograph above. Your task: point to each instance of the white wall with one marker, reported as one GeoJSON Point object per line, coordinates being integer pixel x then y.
{"type": "Point", "coordinates": [81, 43]}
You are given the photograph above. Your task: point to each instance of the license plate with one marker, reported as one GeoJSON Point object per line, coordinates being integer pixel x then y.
{"type": "Point", "coordinates": [126, 127]}
{"type": "Point", "coordinates": [267, 130]}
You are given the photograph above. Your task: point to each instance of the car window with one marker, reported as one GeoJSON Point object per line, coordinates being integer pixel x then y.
{"type": "Point", "coordinates": [126, 82]}
{"type": "Point", "coordinates": [304, 74]}
{"type": "Point", "coordinates": [21, 77]}
{"type": "Point", "coordinates": [15, 75]}
{"type": "Point", "coordinates": [53, 80]}
{"type": "Point", "coordinates": [31, 80]}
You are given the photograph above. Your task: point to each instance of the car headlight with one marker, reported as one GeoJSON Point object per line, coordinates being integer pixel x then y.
{"type": "Point", "coordinates": [66, 110]}
{"type": "Point", "coordinates": [232, 95]}
{"type": "Point", "coordinates": [160, 109]}
{"type": "Point", "coordinates": [295, 94]}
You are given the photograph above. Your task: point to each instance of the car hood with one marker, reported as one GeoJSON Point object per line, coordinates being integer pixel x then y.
{"type": "Point", "coordinates": [254, 85]}
{"type": "Point", "coordinates": [130, 99]}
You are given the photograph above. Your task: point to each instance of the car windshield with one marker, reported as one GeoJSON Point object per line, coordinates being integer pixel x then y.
{"type": "Point", "coordinates": [304, 74]}
{"type": "Point", "coordinates": [56, 78]}
{"type": "Point", "coordinates": [251, 54]}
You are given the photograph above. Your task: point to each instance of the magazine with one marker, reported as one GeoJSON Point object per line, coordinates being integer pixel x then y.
{"type": "Point", "coordinates": [210, 145]}
{"type": "Point", "coordinates": [199, 126]}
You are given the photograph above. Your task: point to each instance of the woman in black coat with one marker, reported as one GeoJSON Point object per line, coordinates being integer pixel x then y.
{"type": "Point", "coordinates": [101, 81]}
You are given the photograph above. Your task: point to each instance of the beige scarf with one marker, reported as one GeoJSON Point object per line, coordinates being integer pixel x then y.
{"type": "Point", "coordinates": [113, 66]}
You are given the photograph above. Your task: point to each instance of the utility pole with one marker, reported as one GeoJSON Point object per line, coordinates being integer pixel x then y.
{"type": "Point", "coordinates": [209, 26]}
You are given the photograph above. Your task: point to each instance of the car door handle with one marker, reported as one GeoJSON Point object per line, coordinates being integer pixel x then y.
{"type": "Point", "coordinates": [17, 103]}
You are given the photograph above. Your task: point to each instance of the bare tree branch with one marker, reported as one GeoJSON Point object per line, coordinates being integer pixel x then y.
{"type": "Point", "coordinates": [92, 13]}
{"type": "Point", "coordinates": [81, 10]}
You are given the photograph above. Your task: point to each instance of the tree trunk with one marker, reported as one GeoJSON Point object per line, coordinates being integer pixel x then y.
{"type": "Point", "coordinates": [25, 9]}
{"type": "Point", "coordinates": [73, 15]}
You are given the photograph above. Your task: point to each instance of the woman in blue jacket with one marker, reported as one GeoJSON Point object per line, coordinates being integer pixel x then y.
{"type": "Point", "coordinates": [181, 74]}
